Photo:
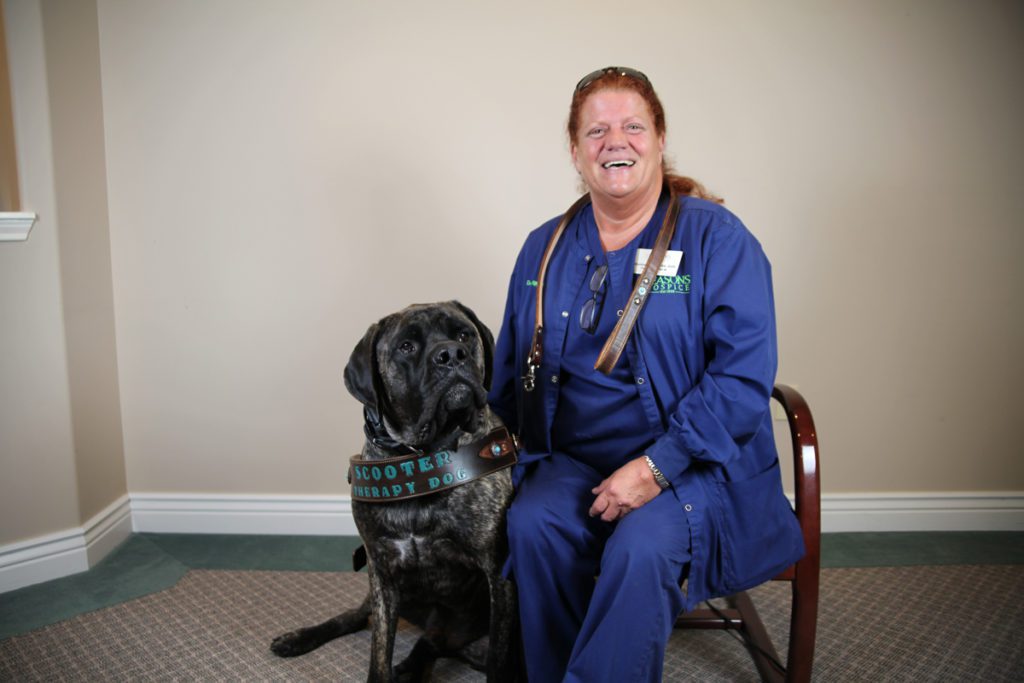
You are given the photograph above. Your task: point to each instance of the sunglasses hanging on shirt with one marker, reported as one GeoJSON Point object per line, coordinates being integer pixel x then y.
{"type": "Point", "coordinates": [590, 314]}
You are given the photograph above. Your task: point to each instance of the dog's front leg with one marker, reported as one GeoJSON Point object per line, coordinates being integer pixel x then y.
{"type": "Point", "coordinates": [385, 619]}
{"type": "Point", "coordinates": [501, 665]}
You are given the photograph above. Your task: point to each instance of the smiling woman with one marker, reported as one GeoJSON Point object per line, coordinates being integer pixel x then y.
{"type": "Point", "coordinates": [624, 79]}
{"type": "Point", "coordinates": [619, 156]}
{"type": "Point", "coordinates": [630, 465]}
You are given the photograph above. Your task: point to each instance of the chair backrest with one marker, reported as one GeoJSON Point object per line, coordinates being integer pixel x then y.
{"type": "Point", "coordinates": [803, 576]}
{"type": "Point", "coordinates": [805, 573]}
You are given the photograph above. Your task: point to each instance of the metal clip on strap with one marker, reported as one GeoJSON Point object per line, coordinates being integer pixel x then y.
{"type": "Point", "coordinates": [533, 360]}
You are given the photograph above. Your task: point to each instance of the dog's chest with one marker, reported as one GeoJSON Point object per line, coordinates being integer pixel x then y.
{"type": "Point", "coordinates": [406, 550]}
{"type": "Point", "coordinates": [422, 552]}
{"type": "Point", "coordinates": [415, 534]}
{"type": "Point", "coordinates": [427, 569]}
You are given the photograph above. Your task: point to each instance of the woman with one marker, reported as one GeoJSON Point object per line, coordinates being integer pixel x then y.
{"type": "Point", "coordinates": [662, 467]}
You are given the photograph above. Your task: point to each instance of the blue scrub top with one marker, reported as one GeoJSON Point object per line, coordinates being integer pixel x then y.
{"type": "Point", "coordinates": [597, 415]}
{"type": "Point", "coordinates": [702, 362]}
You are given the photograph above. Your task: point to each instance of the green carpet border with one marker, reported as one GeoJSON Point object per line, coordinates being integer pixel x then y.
{"type": "Point", "coordinates": [147, 563]}
{"type": "Point", "coordinates": [136, 568]}
{"type": "Point", "coordinates": [919, 548]}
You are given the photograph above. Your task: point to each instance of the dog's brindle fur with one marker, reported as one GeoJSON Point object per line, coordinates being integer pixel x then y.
{"type": "Point", "coordinates": [434, 560]}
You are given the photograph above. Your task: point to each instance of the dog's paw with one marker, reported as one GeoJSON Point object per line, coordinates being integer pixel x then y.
{"type": "Point", "coordinates": [293, 644]}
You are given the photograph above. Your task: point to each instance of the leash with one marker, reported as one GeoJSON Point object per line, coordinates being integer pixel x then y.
{"type": "Point", "coordinates": [383, 480]}
{"type": "Point", "coordinates": [616, 342]}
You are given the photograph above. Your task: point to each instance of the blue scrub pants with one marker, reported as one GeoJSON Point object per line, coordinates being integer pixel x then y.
{"type": "Point", "coordinates": [578, 629]}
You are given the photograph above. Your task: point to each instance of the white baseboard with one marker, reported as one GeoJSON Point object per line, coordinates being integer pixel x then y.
{"type": "Point", "coordinates": [240, 514]}
{"type": "Point", "coordinates": [332, 515]}
{"type": "Point", "coordinates": [66, 552]}
{"type": "Point", "coordinates": [953, 511]}
{"type": "Point", "coordinates": [74, 550]}
{"type": "Point", "coordinates": [107, 530]}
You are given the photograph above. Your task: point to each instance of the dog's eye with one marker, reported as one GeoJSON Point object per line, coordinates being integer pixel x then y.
{"type": "Point", "coordinates": [407, 347]}
{"type": "Point", "coordinates": [464, 337]}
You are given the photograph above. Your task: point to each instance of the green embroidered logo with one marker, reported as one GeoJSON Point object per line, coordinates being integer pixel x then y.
{"type": "Point", "coordinates": [675, 284]}
{"type": "Point", "coordinates": [531, 283]}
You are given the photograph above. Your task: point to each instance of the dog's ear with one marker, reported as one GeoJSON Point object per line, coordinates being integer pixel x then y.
{"type": "Point", "coordinates": [486, 339]}
{"type": "Point", "coordinates": [361, 373]}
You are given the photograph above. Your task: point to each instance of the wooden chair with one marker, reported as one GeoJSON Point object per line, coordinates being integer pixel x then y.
{"type": "Point", "coordinates": [741, 615]}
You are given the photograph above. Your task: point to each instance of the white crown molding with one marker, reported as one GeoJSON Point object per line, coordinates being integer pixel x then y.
{"type": "Point", "coordinates": [66, 552]}
{"type": "Point", "coordinates": [15, 226]}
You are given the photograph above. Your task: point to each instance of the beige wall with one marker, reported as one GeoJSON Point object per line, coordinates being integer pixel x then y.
{"type": "Point", "coordinates": [79, 173]}
{"type": "Point", "coordinates": [60, 425]}
{"type": "Point", "coordinates": [280, 175]}
{"type": "Point", "coordinates": [38, 491]}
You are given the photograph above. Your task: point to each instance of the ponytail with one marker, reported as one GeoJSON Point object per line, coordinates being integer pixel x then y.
{"type": "Point", "coordinates": [685, 186]}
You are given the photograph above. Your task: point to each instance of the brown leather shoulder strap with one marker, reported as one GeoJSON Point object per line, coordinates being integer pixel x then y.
{"type": "Point", "coordinates": [616, 343]}
{"type": "Point", "coordinates": [536, 355]}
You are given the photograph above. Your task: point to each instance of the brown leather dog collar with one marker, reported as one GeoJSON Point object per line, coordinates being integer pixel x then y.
{"type": "Point", "coordinates": [382, 480]}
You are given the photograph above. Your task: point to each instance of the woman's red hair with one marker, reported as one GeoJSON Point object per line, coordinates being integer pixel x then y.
{"type": "Point", "coordinates": [612, 80]}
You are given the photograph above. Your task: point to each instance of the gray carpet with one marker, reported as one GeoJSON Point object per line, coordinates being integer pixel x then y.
{"type": "Point", "coordinates": [950, 623]}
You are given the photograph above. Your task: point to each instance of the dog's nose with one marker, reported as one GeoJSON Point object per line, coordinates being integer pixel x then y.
{"type": "Point", "coordinates": [450, 355]}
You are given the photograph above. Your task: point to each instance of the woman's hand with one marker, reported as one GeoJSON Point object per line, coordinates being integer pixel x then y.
{"type": "Point", "coordinates": [630, 487]}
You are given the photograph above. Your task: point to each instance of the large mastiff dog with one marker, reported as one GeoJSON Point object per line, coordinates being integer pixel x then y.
{"type": "Point", "coordinates": [434, 559]}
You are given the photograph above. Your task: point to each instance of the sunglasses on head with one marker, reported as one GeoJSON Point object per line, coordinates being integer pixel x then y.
{"type": "Point", "coordinates": [620, 70]}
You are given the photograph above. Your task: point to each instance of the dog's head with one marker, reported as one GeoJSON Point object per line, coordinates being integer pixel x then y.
{"type": "Point", "coordinates": [423, 372]}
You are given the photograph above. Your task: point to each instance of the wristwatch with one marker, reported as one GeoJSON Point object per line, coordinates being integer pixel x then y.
{"type": "Point", "coordinates": [658, 476]}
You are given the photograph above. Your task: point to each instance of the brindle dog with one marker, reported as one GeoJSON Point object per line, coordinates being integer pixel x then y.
{"type": "Point", "coordinates": [422, 375]}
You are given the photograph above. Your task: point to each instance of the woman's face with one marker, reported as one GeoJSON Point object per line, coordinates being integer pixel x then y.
{"type": "Point", "coordinates": [618, 151]}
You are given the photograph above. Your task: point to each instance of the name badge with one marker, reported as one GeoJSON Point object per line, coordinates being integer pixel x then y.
{"type": "Point", "coordinates": [669, 264]}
